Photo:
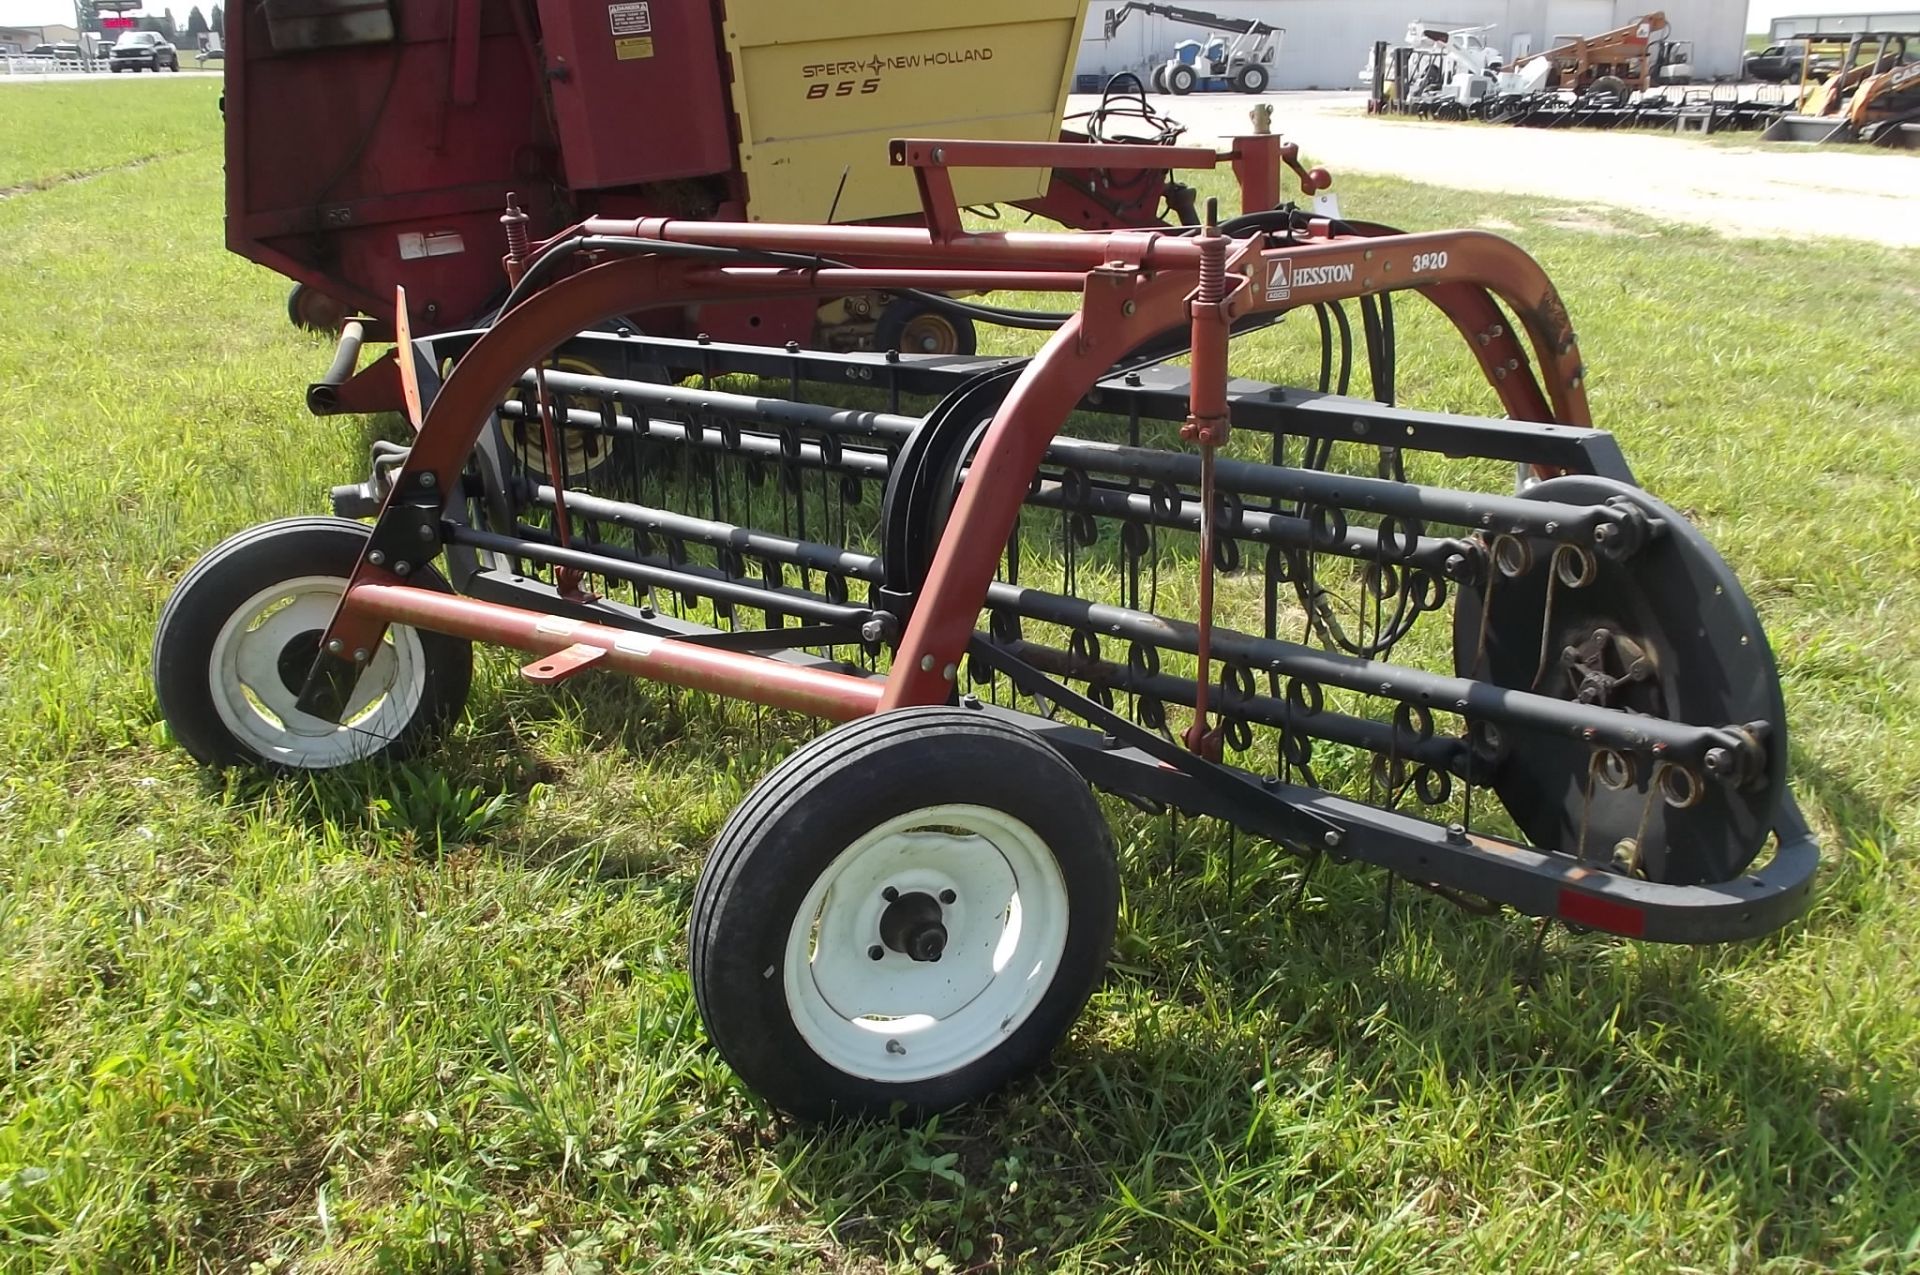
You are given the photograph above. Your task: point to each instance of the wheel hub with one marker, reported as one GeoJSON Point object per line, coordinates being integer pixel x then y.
{"type": "Point", "coordinates": [1608, 669]}
{"type": "Point", "coordinates": [930, 334]}
{"type": "Point", "coordinates": [296, 659]}
{"type": "Point", "coordinates": [913, 925]}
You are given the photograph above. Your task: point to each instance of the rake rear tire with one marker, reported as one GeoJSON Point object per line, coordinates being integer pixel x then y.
{"type": "Point", "coordinates": [225, 679]}
{"type": "Point", "coordinates": [823, 1009]}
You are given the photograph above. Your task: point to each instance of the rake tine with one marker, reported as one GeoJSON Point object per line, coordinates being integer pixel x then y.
{"type": "Point", "coordinates": [1306, 875]}
{"type": "Point", "coordinates": [1233, 852]}
{"type": "Point", "coordinates": [1386, 913]}
{"type": "Point", "coordinates": [1530, 967]}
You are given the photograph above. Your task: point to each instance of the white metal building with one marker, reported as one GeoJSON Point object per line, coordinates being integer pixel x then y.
{"type": "Point", "coordinates": [1786, 28]}
{"type": "Point", "coordinates": [1328, 41]}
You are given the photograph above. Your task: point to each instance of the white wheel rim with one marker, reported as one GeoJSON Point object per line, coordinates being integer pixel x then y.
{"type": "Point", "coordinates": [899, 1020]}
{"type": "Point", "coordinates": [257, 706]}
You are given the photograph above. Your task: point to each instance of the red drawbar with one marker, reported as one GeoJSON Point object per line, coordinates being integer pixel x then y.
{"type": "Point", "coordinates": [1602, 914]}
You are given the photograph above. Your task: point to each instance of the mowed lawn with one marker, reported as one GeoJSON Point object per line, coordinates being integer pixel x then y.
{"type": "Point", "coordinates": [436, 1018]}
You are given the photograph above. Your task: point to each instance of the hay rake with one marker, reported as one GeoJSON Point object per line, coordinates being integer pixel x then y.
{"type": "Point", "coordinates": [1017, 579]}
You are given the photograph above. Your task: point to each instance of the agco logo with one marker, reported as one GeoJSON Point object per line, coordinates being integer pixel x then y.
{"type": "Point", "coordinates": [1283, 276]}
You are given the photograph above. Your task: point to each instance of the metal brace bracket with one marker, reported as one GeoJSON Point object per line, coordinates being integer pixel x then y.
{"type": "Point", "coordinates": [550, 670]}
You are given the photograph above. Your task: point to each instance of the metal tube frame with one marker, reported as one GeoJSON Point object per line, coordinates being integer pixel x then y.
{"type": "Point", "coordinates": [1135, 287]}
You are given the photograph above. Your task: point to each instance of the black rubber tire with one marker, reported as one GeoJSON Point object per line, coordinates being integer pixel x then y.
{"type": "Point", "coordinates": [237, 569]}
{"type": "Point", "coordinates": [1181, 80]}
{"type": "Point", "coordinates": [1609, 89]}
{"type": "Point", "coordinates": [890, 331]}
{"type": "Point", "coordinates": [1158, 78]}
{"type": "Point", "coordinates": [1252, 78]}
{"type": "Point", "coordinates": [312, 310]}
{"type": "Point", "coordinates": [815, 804]}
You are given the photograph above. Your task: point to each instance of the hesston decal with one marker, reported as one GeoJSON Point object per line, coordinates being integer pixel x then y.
{"type": "Point", "coordinates": [1283, 276]}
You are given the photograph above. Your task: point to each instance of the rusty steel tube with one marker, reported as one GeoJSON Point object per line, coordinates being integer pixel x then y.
{"type": "Point", "coordinates": [837, 697]}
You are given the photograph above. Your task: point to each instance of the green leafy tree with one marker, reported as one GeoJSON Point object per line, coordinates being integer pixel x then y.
{"type": "Point", "coordinates": [219, 22]}
{"type": "Point", "coordinates": [196, 24]}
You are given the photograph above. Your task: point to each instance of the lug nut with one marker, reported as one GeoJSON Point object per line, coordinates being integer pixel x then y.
{"type": "Point", "coordinates": [948, 896]}
{"type": "Point", "coordinates": [890, 894]}
{"type": "Point", "coordinates": [875, 952]}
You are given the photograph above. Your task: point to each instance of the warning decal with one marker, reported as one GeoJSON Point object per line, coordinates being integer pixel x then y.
{"type": "Point", "coordinates": [632, 17]}
{"type": "Point", "coordinates": [639, 46]}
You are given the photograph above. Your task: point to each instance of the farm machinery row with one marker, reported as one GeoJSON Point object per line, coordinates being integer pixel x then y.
{"type": "Point", "coordinates": [1873, 99]}
{"type": "Point", "coordinates": [1851, 86]}
{"type": "Point", "coordinates": [1624, 77]}
{"type": "Point", "coordinates": [1334, 621]}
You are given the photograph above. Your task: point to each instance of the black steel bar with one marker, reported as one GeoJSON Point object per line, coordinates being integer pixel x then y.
{"type": "Point", "coordinates": [1427, 552]}
{"type": "Point", "coordinates": [931, 375]}
{"type": "Point", "coordinates": [1534, 882]}
{"type": "Point", "coordinates": [620, 564]}
{"type": "Point", "coordinates": [1573, 524]}
{"type": "Point", "coordinates": [1443, 752]}
{"type": "Point", "coordinates": [747, 540]}
{"type": "Point", "coordinates": [891, 426]}
{"type": "Point", "coordinates": [859, 461]}
{"type": "Point", "coordinates": [1602, 727]}
{"type": "Point", "coordinates": [1161, 393]}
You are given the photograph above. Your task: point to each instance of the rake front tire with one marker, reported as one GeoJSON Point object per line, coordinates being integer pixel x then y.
{"type": "Point", "coordinates": [911, 910]}
{"type": "Point", "coordinates": [239, 633]}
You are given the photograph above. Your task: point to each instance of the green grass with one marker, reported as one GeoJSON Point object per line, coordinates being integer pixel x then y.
{"type": "Point", "coordinates": [56, 132]}
{"type": "Point", "coordinates": [388, 1020]}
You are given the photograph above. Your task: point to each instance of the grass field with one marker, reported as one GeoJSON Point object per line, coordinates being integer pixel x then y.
{"type": "Point", "coordinates": [437, 1019]}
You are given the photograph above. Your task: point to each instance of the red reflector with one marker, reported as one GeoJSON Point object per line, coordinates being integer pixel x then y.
{"type": "Point", "coordinates": [1602, 914]}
